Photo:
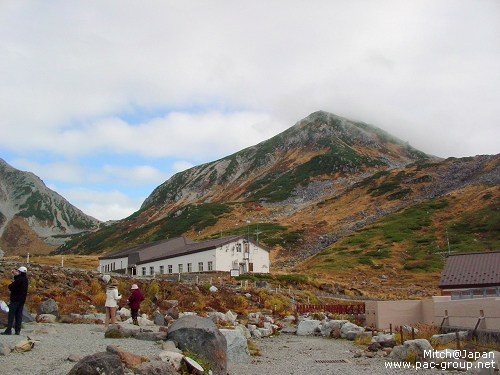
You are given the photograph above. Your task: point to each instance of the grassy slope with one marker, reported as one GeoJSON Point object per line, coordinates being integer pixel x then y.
{"type": "Point", "coordinates": [408, 246]}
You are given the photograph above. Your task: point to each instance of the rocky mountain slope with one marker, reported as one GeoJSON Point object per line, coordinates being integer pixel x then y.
{"type": "Point", "coordinates": [267, 187]}
{"type": "Point", "coordinates": [34, 218]}
{"type": "Point", "coordinates": [318, 182]}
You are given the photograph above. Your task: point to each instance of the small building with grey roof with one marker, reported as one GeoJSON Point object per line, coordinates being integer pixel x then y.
{"type": "Point", "coordinates": [237, 254]}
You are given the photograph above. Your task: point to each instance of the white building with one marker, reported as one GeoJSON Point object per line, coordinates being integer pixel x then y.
{"type": "Point", "coordinates": [181, 255]}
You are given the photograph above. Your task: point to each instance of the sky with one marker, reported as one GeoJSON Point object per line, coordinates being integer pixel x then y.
{"type": "Point", "coordinates": [105, 100]}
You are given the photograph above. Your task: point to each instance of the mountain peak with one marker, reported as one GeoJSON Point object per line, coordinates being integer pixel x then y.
{"type": "Point", "coordinates": [34, 217]}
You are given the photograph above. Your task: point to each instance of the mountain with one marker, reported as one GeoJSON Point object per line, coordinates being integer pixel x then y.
{"type": "Point", "coordinates": [267, 184]}
{"type": "Point", "coordinates": [33, 218]}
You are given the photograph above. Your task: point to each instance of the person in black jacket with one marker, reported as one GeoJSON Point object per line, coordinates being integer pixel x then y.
{"type": "Point", "coordinates": [18, 292]}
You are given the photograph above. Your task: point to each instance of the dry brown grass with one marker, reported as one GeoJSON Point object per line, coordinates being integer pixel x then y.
{"type": "Point", "coordinates": [87, 262]}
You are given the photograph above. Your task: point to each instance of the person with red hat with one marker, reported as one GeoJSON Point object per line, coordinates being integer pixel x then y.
{"type": "Point", "coordinates": [18, 293]}
{"type": "Point", "coordinates": [134, 302]}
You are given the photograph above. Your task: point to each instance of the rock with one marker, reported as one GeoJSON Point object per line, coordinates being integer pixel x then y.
{"type": "Point", "coordinates": [98, 364]}
{"type": "Point", "coordinates": [75, 357]}
{"type": "Point", "coordinates": [173, 358]}
{"type": "Point", "coordinates": [350, 331]}
{"type": "Point", "coordinates": [374, 347]}
{"type": "Point", "coordinates": [173, 312]}
{"type": "Point", "coordinates": [129, 359]}
{"type": "Point", "coordinates": [5, 349]}
{"type": "Point", "coordinates": [170, 346]}
{"type": "Point", "coordinates": [336, 334]}
{"type": "Point", "coordinates": [119, 331]}
{"type": "Point", "coordinates": [158, 318]}
{"type": "Point", "coordinates": [262, 284]}
{"type": "Point", "coordinates": [417, 347]}
{"type": "Point", "coordinates": [237, 346]}
{"type": "Point", "coordinates": [48, 306]}
{"type": "Point", "coordinates": [151, 336]}
{"type": "Point", "coordinates": [155, 368]}
{"type": "Point", "coordinates": [124, 313]}
{"type": "Point", "coordinates": [488, 364]}
{"type": "Point", "coordinates": [46, 318]}
{"type": "Point", "coordinates": [244, 330]}
{"type": "Point", "coordinates": [3, 318]}
{"type": "Point", "coordinates": [327, 326]}
{"type": "Point", "coordinates": [230, 317]}
{"type": "Point", "coordinates": [27, 317]}
{"type": "Point", "coordinates": [308, 327]}
{"type": "Point", "coordinates": [201, 336]}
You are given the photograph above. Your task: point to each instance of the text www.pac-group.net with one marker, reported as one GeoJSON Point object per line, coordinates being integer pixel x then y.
{"type": "Point", "coordinates": [444, 361]}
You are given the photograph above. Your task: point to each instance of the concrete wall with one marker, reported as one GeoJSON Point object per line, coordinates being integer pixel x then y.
{"type": "Point", "coordinates": [455, 313]}
{"type": "Point", "coordinates": [381, 314]}
{"type": "Point", "coordinates": [467, 312]}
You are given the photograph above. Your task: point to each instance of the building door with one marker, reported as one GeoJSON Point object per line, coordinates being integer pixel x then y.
{"type": "Point", "coordinates": [243, 268]}
{"type": "Point", "coordinates": [250, 267]}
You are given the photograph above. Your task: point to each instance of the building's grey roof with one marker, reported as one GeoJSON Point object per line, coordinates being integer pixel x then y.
{"type": "Point", "coordinates": [471, 270]}
{"type": "Point", "coordinates": [172, 248]}
{"type": "Point", "coordinates": [147, 250]}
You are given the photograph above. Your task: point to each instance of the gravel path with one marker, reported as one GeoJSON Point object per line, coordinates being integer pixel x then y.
{"type": "Point", "coordinates": [305, 355]}
{"type": "Point", "coordinates": [282, 354]}
{"type": "Point", "coordinates": [58, 342]}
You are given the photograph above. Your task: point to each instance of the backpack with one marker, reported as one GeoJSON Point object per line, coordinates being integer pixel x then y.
{"type": "Point", "coordinates": [25, 345]}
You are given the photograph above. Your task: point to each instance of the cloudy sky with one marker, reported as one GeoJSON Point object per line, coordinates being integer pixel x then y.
{"type": "Point", "coordinates": [105, 100]}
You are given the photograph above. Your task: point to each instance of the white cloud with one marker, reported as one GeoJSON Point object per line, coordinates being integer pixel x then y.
{"type": "Point", "coordinates": [141, 175]}
{"type": "Point", "coordinates": [133, 92]}
{"type": "Point", "coordinates": [112, 205]}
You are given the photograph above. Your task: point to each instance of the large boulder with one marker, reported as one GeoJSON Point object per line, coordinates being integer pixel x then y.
{"type": "Point", "coordinates": [308, 327]}
{"type": "Point", "coordinates": [237, 346]}
{"type": "Point", "coordinates": [120, 331]}
{"type": "Point", "coordinates": [98, 364]}
{"type": "Point", "coordinates": [49, 306]}
{"type": "Point", "coordinates": [416, 347]}
{"type": "Point", "coordinates": [350, 331]}
{"type": "Point", "coordinates": [201, 336]}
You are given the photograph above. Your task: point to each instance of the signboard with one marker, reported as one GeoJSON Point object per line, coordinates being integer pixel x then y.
{"type": "Point", "coordinates": [235, 273]}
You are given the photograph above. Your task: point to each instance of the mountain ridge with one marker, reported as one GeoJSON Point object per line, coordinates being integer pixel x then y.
{"type": "Point", "coordinates": [305, 163]}
{"type": "Point", "coordinates": [33, 218]}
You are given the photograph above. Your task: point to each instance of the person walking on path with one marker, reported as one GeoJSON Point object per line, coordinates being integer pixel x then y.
{"type": "Point", "coordinates": [112, 298]}
{"type": "Point", "coordinates": [18, 293]}
{"type": "Point", "coordinates": [134, 302]}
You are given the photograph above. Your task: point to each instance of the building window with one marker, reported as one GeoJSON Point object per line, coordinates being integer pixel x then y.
{"type": "Point", "coordinates": [151, 271]}
{"type": "Point", "coordinates": [238, 248]}
{"type": "Point", "coordinates": [190, 267]}
{"type": "Point", "coordinates": [210, 266]}
{"type": "Point", "coordinates": [200, 266]}
{"type": "Point", "coordinates": [180, 268]}
{"type": "Point", "coordinates": [162, 270]}
{"type": "Point", "coordinates": [170, 270]}
{"type": "Point", "coordinates": [143, 271]}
